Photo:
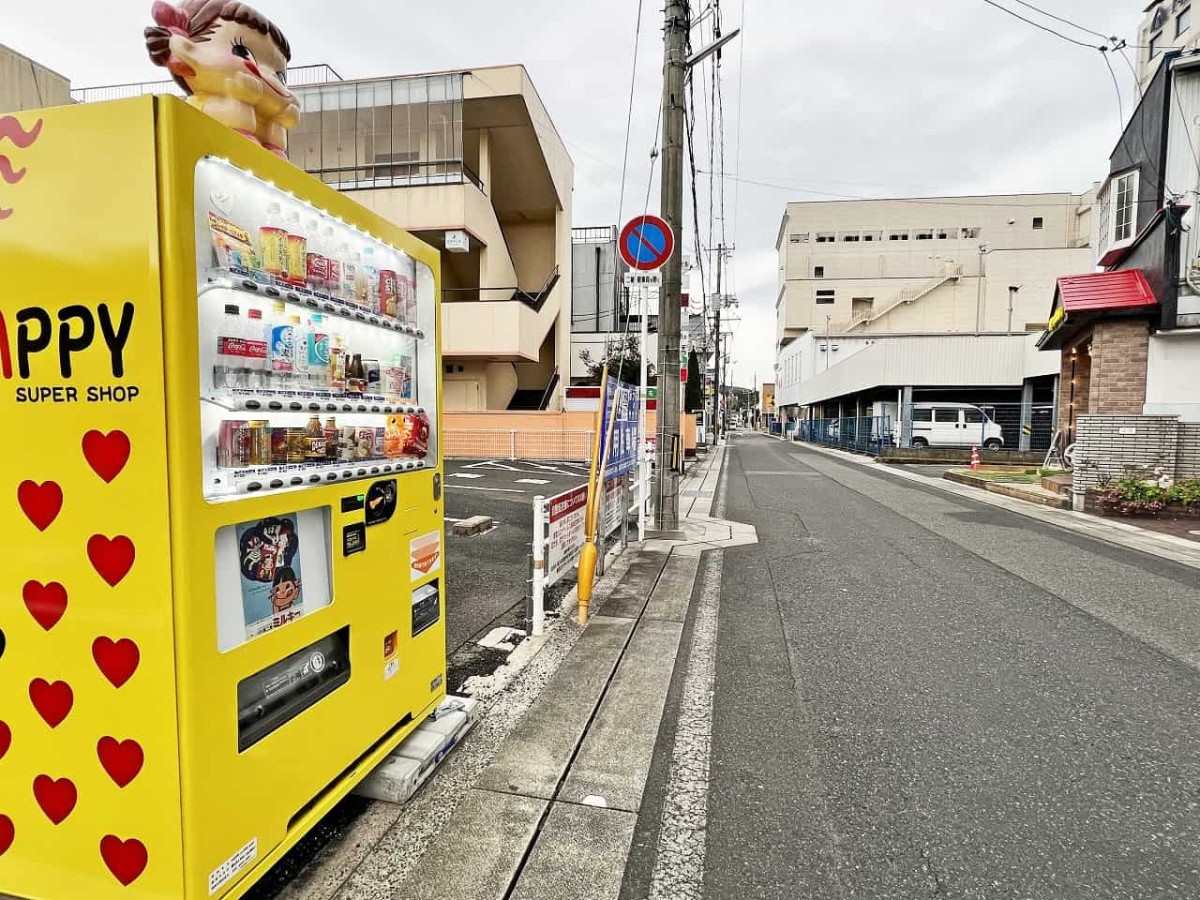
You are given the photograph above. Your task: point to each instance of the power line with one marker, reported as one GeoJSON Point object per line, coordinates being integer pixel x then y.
{"type": "Point", "coordinates": [637, 37]}
{"type": "Point", "coordinates": [1050, 15]}
{"type": "Point", "coordinates": [1117, 88]}
{"type": "Point", "coordinates": [1045, 28]}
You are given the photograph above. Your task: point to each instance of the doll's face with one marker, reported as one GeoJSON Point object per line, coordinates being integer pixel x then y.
{"type": "Point", "coordinates": [232, 49]}
{"type": "Point", "coordinates": [285, 594]}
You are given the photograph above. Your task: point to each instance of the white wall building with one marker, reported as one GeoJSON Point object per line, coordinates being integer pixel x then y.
{"type": "Point", "coordinates": [1167, 25]}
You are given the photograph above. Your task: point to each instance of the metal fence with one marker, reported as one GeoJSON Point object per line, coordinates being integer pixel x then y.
{"type": "Point", "coordinates": [559, 446]}
{"type": "Point", "coordinates": [865, 434]}
{"type": "Point", "coordinates": [990, 426]}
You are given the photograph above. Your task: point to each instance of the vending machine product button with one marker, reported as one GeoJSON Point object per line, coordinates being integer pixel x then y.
{"type": "Point", "coordinates": [314, 407]}
{"type": "Point", "coordinates": [314, 479]}
{"type": "Point", "coordinates": [297, 480]}
{"type": "Point", "coordinates": [346, 407]}
{"type": "Point", "coordinates": [277, 483]}
{"type": "Point", "coordinates": [253, 486]}
{"type": "Point", "coordinates": [362, 407]}
{"type": "Point", "coordinates": [375, 470]}
{"type": "Point", "coordinates": [329, 307]}
{"type": "Point", "coordinates": [332, 476]}
{"type": "Point", "coordinates": [331, 407]}
{"type": "Point", "coordinates": [253, 404]}
{"type": "Point", "coordinates": [296, 407]}
{"type": "Point", "coordinates": [271, 292]}
{"type": "Point", "coordinates": [275, 405]}
{"type": "Point", "coordinates": [362, 472]}
{"type": "Point", "coordinates": [347, 474]}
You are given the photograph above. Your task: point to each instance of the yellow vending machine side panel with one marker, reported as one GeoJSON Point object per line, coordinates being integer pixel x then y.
{"type": "Point", "coordinates": [303, 659]}
{"type": "Point", "coordinates": [88, 733]}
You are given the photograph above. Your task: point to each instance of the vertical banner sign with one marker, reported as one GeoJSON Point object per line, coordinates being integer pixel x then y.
{"type": "Point", "coordinates": [568, 512]}
{"type": "Point", "coordinates": [614, 506]}
{"type": "Point", "coordinates": [621, 402]}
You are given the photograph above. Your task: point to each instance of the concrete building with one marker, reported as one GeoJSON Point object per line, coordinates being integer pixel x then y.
{"type": "Point", "coordinates": [1166, 25]}
{"type": "Point", "coordinates": [470, 162]}
{"type": "Point", "coordinates": [937, 265]}
{"type": "Point", "coordinates": [25, 84]}
{"type": "Point", "coordinates": [887, 303]}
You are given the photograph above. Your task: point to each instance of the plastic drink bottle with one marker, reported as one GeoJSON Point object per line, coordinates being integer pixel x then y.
{"type": "Point", "coordinates": [318, 353]}
{"type": "Point", "coordinates": [370, 273]}
{"type": "Point", "coordinates": [299, 353]}
{"type": "Point", "coordinates": [231, 350]}
{"type": "Point", "coordinates": [297, 251]}
{"type": "Point", "coordinates": [257, 346]}
{"type": "Point", "coordinates": [282, 354]}
{"type": "Point", "coordinates": [273, 239]}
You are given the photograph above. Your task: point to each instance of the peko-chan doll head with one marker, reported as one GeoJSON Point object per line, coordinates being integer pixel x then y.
{"type": "Point", "coordinates": [231, 61]}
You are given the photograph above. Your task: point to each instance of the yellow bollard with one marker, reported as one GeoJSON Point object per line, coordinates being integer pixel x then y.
{"type": "Point", "coordinates": [587, 575]}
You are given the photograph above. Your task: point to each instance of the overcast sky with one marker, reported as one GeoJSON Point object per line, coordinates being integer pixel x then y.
{"type": "Point", "coordinates": [867, 98]}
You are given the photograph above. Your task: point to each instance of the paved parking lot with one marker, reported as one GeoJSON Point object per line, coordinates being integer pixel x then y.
{"type": "Point", "coordinates": [487, 573]}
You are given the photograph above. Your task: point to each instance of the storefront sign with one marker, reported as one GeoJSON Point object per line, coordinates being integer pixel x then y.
{"type": "Point", "coordinates": [1059, 316]}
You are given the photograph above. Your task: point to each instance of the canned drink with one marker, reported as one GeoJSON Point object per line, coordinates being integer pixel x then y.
{"type": "Point", "coordinates": [279, 446]}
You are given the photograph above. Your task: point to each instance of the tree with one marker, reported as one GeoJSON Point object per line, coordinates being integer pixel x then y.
{"type": "Point", "coordinates": [624, 360]}
{"type": "Point", "coordinates": [694, 396]}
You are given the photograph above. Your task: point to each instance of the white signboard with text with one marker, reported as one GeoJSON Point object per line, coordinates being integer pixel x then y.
{"type": "Point", "coordinates": [567, 525]}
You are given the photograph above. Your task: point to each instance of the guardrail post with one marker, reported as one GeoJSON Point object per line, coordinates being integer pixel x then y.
{"type": "Point", "coordinates": [538, 622]}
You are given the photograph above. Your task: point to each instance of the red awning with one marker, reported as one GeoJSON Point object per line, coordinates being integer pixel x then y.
{"type": "Point", "coordinates": [1126, 289]}
{"type": "Point", "coordinates": [1079, 299]}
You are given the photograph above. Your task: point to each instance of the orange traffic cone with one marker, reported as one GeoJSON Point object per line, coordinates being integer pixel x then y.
{"type": "Point", "coordinates": [974, 458]}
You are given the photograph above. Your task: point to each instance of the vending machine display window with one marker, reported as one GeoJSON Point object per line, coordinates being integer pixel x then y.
{"type": "Point", "coordinates": [271, 572]}
{"type": "Point", "coordinates": [317, 343]}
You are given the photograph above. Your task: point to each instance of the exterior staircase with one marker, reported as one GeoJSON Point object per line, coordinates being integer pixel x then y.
{"type": "Point", "coordinates": [907, 296]}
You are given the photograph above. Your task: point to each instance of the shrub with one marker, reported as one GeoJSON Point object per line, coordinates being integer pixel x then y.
{"type": "Point", "coordinates": [1186, 494]}
{"type": "Point", "coordinates": [1130, 497]}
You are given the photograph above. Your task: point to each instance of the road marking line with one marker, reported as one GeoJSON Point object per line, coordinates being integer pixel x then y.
{"type": "Point", "coordinates": [464, 475]}
{"type": "Point", "coordinates": [532, 481]}
{"type": "Point", "coordinates": [467, 487]}
{"type": "Point", "coordinates": [682, 837]}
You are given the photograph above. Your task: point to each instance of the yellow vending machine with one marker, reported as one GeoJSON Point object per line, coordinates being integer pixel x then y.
{"type": "Point", "coordinates": [223, 585]}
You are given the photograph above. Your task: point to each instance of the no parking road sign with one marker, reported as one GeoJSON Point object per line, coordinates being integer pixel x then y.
{"type": "Point", "coordinates": [647, 243]}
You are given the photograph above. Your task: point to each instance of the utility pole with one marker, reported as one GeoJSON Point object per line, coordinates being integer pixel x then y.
{"type": "Point", "coordinates": [717, 329]}
{"type": "Point", "coordinates": [675, 35]}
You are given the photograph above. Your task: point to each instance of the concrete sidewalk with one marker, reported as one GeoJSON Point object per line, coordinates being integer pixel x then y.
{"type": "Point", "coordinates": [542, 800]}
{"type": "Point", "coordinates": [1120, 534]}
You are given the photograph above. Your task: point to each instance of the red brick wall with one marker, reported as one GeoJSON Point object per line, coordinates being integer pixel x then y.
{"type": "Point", "coordinates": [1120, 349]}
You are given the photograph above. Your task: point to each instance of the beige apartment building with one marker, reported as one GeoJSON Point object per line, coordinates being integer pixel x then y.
{"type": "Point", "coordinates": [927, 265]}
{"type": "Point", "coordinates": [471, 163]}
{"type": "Point", "coordinates": [1166, 25]}
{"type": "Point", "coordinates": [25, 84]}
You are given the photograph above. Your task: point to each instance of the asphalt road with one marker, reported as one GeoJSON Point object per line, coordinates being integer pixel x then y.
{"type": "Point", "coordinates": [920, 696]}
{"type": "Point", "coordinates": [486, 574]}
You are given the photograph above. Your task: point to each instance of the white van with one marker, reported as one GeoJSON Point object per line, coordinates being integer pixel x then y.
{"type": "Point", "coordinates": [954, 425]}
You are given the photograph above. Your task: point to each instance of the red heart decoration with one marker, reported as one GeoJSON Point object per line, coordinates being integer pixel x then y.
{"type": "Point", "coordinates": [56, 797]}
{"type": "Point", "coordinates": [107, 454]}
{"type": "Point", "coordinates": [52, 701]}
{"type": "Point", "coordinates": [7, 833]}
{"type": "Point", "coordinates": [5, 742]}
{"type": "Point", "coordinates": [112, 558]}
{"type": "Point", "coordinates": [117, 660]}
{"type": "Point", "coordinates": [125, 859]}
{"type": "Point", "coordinates": [45, 602]}
{"type": "Point", "coordinates": [122, 760]}
{"type": "Point", "coordinates": [41, 503]}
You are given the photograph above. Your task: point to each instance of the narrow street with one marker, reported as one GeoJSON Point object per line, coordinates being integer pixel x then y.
{"type": "Point", "coordinates": [917, 695]}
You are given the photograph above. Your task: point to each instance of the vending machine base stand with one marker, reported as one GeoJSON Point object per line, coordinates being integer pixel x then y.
{"type": "Point", "coordinates": [420, 754]}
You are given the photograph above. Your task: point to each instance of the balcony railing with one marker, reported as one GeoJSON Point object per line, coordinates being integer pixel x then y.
{"type": "Point", "coordinates": [419, 173]}
{"type": "Point", "coordinates": [298, 76]}
{"type": "Point", "coordinates": [603, 234]}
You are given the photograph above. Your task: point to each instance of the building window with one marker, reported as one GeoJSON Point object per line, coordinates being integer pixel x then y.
{"type": "Point", "coordinates": [818, 271]}
{"type": "Point", "coordinates": [872, 235]}
{"type": "Point", "coordinates": [947, 234]}
{"type": "Point", "coordinates": [826, 237]}
{"type": "Point", "coordinates": [1038, 223]}
{"type": "Point", "coordinates": [1155, 45]}
{"type": "Point", "coordinates": [799, 238]}
{"type": "Point", "coordinates": [825, 297]}
{"type": "Point", "coordinates": [970, 233]}
{"type": "Point", "coordinates": [851, 238]}
{"type": "Point", "coordinates": [898, 236]}
{"type": "Point", "coordinates": [1183, 22]}
{"type": "Point", "coordinates": [1125, 188]}
{"type": "Point", "coordinates": [926, 235]}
